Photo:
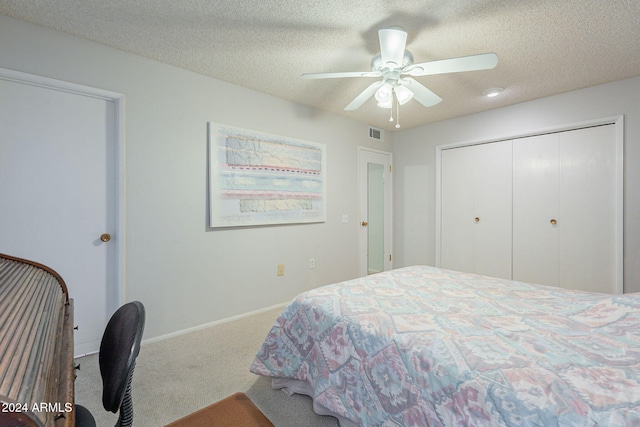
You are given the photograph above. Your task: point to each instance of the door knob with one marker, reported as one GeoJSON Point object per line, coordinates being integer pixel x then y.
{"type": "Point", "coordinates": [553, 222]}
{"type": "Point", "coordinates": [364, 223]}
{"type": "Point", "coordinates": [476, 219]}
{"type": "Point", "coordinates": [105, 237]}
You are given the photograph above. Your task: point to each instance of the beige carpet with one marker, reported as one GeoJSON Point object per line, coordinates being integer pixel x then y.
{"type": "Point", "coordinates": [181, 375]}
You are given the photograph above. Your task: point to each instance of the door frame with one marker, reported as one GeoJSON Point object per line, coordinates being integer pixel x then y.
{"type": "Point", "coordinates": [617, 121]}
{"type": "Point", "coordinates": [363, 214]}
{"type": "Point", "coordinates": [119, 292]}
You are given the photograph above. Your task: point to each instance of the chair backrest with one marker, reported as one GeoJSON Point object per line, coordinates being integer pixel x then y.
{"type": "Point", "coordinates": [118, 351]}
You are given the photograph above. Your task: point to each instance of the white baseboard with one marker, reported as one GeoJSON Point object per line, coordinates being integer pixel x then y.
{"type": "Point", "coordinates": [208, 325]}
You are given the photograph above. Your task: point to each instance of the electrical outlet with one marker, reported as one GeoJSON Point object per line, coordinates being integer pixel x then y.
{"type": "Point", "coordinates": [280, 269]}
{"type": "Point", "coordinates": [312, 263]}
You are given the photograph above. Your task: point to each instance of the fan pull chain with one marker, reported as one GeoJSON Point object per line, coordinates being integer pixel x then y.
{"type": "Point", "coordinates": [397, 113]}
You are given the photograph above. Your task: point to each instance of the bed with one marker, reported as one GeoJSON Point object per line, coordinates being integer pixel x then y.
{"type": "Point", "coordinates": [421, 346]}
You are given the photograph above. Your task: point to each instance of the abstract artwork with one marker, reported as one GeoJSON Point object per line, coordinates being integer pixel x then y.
{"type": "Point", "coordinates": [260, 179]}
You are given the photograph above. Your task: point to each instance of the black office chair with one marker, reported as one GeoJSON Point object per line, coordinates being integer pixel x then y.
{"type": "Point", "coordinates": [117, 358]}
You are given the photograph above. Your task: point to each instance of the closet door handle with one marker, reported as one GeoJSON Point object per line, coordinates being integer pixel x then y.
{"type": "Point", "coordinates": [553, 222]}
{"type": "Point", "coordinates": [476, 219]}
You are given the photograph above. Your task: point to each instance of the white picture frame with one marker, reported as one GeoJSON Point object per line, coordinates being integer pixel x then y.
{"type": "Point", "coordinates": [257, 178]}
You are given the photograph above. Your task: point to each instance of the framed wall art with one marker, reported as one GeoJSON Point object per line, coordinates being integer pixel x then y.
{"type": "Point", "coordinates": [261, 179]}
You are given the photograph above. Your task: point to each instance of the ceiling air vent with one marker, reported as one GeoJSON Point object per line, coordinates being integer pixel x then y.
{"type": "Point", "coordinates": [375, 134]}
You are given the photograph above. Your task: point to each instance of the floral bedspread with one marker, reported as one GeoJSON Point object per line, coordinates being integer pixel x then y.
{"type": "Point", "coordinates": [420, 346]}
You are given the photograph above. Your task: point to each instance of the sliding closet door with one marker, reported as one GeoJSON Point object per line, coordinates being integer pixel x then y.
{"type": "Point", "coordinates": [476, 209]}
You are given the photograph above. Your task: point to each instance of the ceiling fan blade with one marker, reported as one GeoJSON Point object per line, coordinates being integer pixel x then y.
{"type": "Point", "coordinates": [393, 41]}
{"type": "Point", "coordinates": [364, 96]}
{"type": "Point", "coordinates": [483, 61]}
{"type": "Point", "coordinates": [340, 75]}
{"type": "Point", "coordinates": [420, 93]}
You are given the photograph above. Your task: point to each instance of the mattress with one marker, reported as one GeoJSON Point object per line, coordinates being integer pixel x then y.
{"type": "Point", "coordinates": [421, 346]}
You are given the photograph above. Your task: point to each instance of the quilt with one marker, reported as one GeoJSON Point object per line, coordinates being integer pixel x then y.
{"type": "Point", "coordinates": [422, 346]}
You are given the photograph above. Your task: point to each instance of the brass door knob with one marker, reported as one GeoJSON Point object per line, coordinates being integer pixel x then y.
{"type": "Point", "coordinates": [553, 222]}
{"type": "Point", "coordinates": [105, 237]}
{"type": "Point", "coordinates": [476, 219]}
{"type": "Point", "coordinates": [364, 223]}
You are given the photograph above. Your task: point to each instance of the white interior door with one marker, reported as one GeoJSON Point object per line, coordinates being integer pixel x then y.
{"type": "Point", "coordinates": [493, 209]}
{"type": "Point", "coordinates": [476, 209]}
{"type": "Point", "coordinates": [375, 211]}
{"type": "Point", "coordinates": [587, 198]}
{"type": "Point", "coordinates": [565, 216]}
{"type": "Point", "coordinates": [536, 257]}
{"type": "Point", "coordinates": [457, 224]}
{"type": "Point", "coordinates": [58, 194]}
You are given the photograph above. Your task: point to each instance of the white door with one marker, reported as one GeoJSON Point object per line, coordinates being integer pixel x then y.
{"type": "Point", "coordinates": [565, 209]}
{"type": "Point", "coordinates": [476, 209]}
{"type": "Point", "coordinates": [375, 211]}
{"type": "Point", "coordinates": [588, 198]}
{"type": "Point", "coordinates": [57, 194]}
{"type": "Point", "coordinates": [457, 223]}
{"type": "Point", "coordinates": [492, 213]}
{"type": "Point", "coordinates": [535, 209]}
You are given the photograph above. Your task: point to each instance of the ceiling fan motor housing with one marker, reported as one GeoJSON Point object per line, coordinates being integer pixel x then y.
{"type": "Point", "coordinates": [377, 65]}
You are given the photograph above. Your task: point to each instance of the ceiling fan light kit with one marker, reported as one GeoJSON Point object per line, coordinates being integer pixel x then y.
{"type": "Point", "coordinates": [403, 94]}
{"type": "Point", "coordinates": [394, 64]}
{"type": "Point", "coordinates": [384, 96]}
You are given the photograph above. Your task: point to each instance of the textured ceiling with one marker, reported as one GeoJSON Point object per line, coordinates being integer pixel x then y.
{"type": "Point", "coordinates": [544, 47]}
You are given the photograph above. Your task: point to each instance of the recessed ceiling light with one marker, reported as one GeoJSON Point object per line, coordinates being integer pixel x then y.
{"type": "Point", "coordinates": [494, 91]}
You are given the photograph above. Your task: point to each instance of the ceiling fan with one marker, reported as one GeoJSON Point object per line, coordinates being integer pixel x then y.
{"type": "Point", "coordinates": [395, 65]}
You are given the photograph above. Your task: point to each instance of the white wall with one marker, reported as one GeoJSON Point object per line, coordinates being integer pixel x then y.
{"type": "Point", "coordinates": [186, 274]}
{"type": "Point", "coordinates": [414, 158]}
